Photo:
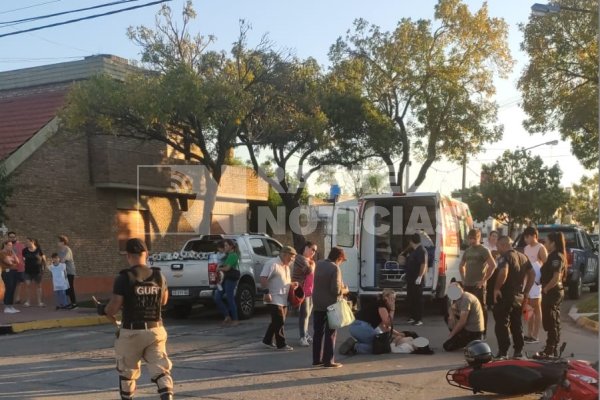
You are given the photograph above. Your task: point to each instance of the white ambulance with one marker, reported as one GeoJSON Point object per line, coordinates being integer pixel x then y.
{"type": "Point", "coordinates": [374, 231]}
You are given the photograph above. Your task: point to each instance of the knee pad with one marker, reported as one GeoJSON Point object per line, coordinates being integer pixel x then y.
{"type": "Point", "coordinates": [164, 383]}
{"type": "Point", "coordinates": [126, 387]}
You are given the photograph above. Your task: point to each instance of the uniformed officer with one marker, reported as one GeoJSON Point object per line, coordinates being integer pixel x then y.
{"type": "Point", "coordinates": [552, 273]}
{"type": "Point", "coordinates": [513, 282]}
{"type": "Point", "coordinates": [140, 291]}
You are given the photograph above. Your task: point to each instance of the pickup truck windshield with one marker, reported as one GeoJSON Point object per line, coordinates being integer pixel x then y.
{"type": "Point", "coordinates": [201, 246]}
{"type": "Point", "coordinates": [570, 238]}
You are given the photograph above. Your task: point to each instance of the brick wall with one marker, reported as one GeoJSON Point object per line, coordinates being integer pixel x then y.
{"type": "Point", "coordinates": [54, 195]}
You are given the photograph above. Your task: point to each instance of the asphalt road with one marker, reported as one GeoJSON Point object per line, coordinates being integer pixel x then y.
{"type": "Point", "coordinates": [228, 363]}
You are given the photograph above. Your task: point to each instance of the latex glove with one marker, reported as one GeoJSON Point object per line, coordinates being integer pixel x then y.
{"type": "Point", "coordinates": [418, 281]}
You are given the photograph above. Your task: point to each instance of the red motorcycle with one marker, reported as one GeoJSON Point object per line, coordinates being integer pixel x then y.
{"type": "Point", "coordinates": [556, 378]}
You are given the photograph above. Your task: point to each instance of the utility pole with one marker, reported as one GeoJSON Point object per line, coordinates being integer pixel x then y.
{"type": "Point", "coordinates": [464, 176]}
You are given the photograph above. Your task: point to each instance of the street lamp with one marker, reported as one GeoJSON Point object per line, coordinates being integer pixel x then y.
{"type": "Point", "coordinates": [550, 143]}
{"type": "Point", "coordinates": [540, 10]}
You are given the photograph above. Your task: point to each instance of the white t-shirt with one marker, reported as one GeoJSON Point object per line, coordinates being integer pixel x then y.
{"type": "Point", "coordinates": [279, 279]}
{"type": "Point", "coordinates": [59, 276]}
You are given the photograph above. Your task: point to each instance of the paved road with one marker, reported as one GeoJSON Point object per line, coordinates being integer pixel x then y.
{"type": "Point", "coordinates": [216, 363]}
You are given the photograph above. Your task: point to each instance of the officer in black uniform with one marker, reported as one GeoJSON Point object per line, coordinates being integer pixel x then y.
{"type": "Point", "coordinates": [140, 291]}
{"type": "Point", "coordinates": [552, 273]}
{"type": "Point", "coordinates": [509, 294]}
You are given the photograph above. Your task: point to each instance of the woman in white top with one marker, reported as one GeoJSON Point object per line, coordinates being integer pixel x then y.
{"type": "Point", "coordinates": [537, 255]}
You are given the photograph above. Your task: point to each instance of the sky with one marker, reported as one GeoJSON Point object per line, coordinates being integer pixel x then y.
{"type": "Point", "coordinates": [307, 28]}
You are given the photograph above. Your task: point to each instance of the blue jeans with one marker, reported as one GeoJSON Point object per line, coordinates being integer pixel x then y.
{"type": "Point", "coordinates": [61, 298]}
{"type": "Point", "coordinates": [304, 317]}
{"type": "Point", "coordinates": [364, 333]}
{"type": "Point", "coordinates": [11, 281]}
{"type": "Point", "coordinates": [228, 290]}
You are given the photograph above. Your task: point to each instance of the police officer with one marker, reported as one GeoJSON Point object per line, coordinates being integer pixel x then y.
{"type": "Point", "coordinates": [552, 273]}
{"type": "Point", "coordinates": [140, 291]}
{"type": "Point", "coordinates": [509, 294]}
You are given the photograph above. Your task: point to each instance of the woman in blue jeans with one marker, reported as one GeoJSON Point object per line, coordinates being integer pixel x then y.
{"type": "Point", "coordinates": [231, 271]}
{"type": "Point", "coordinates": [373, 317]}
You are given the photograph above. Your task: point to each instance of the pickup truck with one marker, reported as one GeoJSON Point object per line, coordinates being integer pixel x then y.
{"type": "Point", "coordinates": [582, 256]}
{"type": "Point", "coordinates": [191, 273]}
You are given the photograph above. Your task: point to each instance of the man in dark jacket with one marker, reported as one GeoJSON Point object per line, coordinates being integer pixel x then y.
{"type": "Point", "coordinates": [328, 289]}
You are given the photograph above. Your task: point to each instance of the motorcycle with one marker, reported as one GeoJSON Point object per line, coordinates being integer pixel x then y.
{"type": "Point", "coordinates": [555, 378]}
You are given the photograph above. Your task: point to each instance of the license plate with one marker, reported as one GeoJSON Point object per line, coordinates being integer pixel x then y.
{"type": "Point", "coordinates": [180, 292]}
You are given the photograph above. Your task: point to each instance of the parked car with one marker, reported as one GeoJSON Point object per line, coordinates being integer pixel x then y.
{"type": "Point", "coordinates": [595, 238]}
{"type": "Point", "coordinates": [192, 272]}
{"type": "Point", "coordinates": [582, 256]}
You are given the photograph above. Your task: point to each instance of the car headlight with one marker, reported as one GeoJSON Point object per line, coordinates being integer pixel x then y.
{"type": "Point", "coordinates": [587, 379]}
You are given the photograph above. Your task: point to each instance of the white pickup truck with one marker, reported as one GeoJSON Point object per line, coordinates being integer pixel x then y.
{"type": "Point", "coordinates": [191, 273]}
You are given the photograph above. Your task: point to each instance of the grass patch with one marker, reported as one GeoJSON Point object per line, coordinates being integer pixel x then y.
{"type": "Point", "coordinates": [589, 305]}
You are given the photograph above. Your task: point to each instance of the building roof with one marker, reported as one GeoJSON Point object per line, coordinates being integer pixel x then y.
{"type": "Point", "coordinates": [22, 116]}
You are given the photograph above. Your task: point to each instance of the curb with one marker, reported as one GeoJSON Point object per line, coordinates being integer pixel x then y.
{"type": "Point", "coordinates": [18, 327]}
{"type": "Point", "coordinates": [583, 321]}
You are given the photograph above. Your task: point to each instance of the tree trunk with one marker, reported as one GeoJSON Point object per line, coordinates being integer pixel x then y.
{"type": "Point", "coordinates": [210, 198]}
{"type": "Point", "coordinates": [421, 176]}
{"type": "Point", "coordinates": [291, 203]}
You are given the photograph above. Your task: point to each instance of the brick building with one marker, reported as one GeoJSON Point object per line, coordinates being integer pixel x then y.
{"type": "Point", "coordinates": [100, 190]}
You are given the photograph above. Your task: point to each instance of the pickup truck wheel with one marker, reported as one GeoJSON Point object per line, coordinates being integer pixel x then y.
{"type": "Point", "coordinates": [182, 311]}
{"type": "Point", "coordinates": [245, 300]}
{"type": "Point", "coordinates": [575, 288]}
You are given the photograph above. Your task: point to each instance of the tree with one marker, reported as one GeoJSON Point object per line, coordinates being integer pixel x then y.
{"type": "Point", "coordinates": [189, 98]}
{"type": "Point", "coordinates": [478, 205]}
{"type": "Point", "coordinates": [294, 128]}
{"type": "Point", "coordinates": [583, 203]}
{"type": "Point", "coordinates": [426, 88]}
{"type": "Point", "coordinates": [518, 188]}
{"type": "Point", "coordinates": [560, 83]}
{"type": "Point", "coordinates": [6, 190]}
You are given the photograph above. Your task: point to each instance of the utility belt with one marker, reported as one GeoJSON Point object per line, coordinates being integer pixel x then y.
{"type": "Point", "coordinates": [142, 325]}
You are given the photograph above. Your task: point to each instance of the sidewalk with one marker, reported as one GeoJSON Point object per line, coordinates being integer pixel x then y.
{"type": "Point", "coordinates": [31, 318]}
{"type": "Point", "coordinates": [582, 320]}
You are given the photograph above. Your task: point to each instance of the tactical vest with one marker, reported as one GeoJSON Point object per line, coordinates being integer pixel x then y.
{"type": "Point", "coordinates": [142, 303]}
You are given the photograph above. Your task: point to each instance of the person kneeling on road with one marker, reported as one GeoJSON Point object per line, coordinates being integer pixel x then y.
{"type": "Point", "coordinates": [373, 318]}
{"type": "Point", "coordinates": [141, 292]}
{"type": "Point", "coordinates": [465, 319]}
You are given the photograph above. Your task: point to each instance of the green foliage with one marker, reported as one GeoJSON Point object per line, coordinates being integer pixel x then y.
{"type": "Point", "coordinates": [583, 202]}
{"type": "Point", "coordinates": [6, 190]}
{"type": "Point", "coordinates": [425, 89]}
{"type": "Point", "coordinates": [478, 205]}
{"type": "Point", "coordinates": [560, 84]}
{"type": "Point", "coordinates": [517, 188]}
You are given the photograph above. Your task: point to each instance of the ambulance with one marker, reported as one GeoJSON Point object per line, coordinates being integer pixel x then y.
{"type": "Point", "coordinates": [375, 230]}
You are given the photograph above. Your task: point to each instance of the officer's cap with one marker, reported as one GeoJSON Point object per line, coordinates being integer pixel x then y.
{"type": "Point", "coordinates": [135, 246]}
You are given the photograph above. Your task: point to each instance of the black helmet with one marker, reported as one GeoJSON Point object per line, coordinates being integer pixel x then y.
{"type": "Point", "coordinates": [478, 352]}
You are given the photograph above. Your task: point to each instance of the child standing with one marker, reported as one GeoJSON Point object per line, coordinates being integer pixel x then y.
{"type": "Point", "coordinates": [59, 282]}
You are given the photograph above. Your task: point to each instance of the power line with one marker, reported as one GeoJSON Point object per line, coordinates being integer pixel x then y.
{"type": "Point", "coordinates": [20, 21]}
{"type": "Point", "coordinates": [84, 18]}
{"type": "Point", "coordinates": [31, 6]}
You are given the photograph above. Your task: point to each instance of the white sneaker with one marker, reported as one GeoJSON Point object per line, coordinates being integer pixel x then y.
{"type": "Point", "coordinates": [40, 304]}
{"type": "Point", "coordinates": [9, 310]}
{"type": "Point", "coordinates": [304, 342]}
{"type": "Point", "coordinates": [14, 310]}
{"type": "Point", "coordinates": [309, 338]}
{"type": "Point", "coordinates": [26, 304]}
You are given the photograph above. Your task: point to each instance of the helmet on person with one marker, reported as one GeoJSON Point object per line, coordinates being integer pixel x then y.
{"type": "Point", "coordinates": [478, 352]}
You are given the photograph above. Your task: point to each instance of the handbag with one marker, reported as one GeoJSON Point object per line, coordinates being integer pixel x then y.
{"type": "Point", "coordinates": [296, 296]}
{"type": "Point", "coordinates": [232, 274]}
{"type": "Point", "coordinates": [382, 343]}
{"type": "Point", "coordinates": [339, 314]}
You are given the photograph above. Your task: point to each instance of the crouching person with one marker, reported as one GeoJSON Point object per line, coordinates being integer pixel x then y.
{"type": "Point", "coordinates": [141, 292]}
{"type": "Point", "coordinates": [465, 319]}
